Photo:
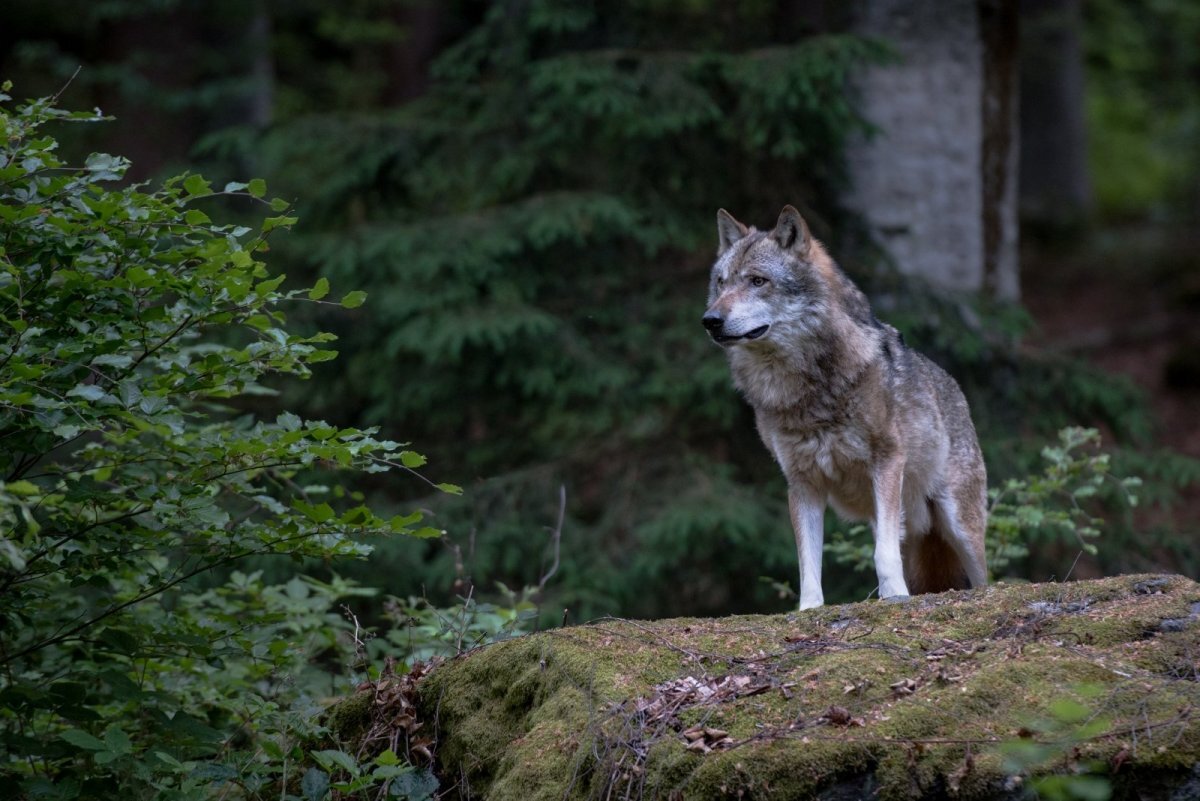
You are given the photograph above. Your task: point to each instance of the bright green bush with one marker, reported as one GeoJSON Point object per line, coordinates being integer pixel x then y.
{"type": "Point", "coordinates": [136, 332]}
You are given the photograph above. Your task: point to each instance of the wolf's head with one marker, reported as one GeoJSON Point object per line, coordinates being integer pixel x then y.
{"type": "Point", "coordinates": [765, 286]}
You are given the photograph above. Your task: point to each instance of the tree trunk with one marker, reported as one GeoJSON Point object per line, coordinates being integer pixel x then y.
{"type": "Point", "coordinates": [998, 29]}
{"type": "Point", "coordinates": [937, 184]}
{"type": "Point", "coordinates": [1055, 185]}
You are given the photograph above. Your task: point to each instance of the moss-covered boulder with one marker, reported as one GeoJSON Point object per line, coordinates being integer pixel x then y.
{"type": "Point", "coordinates": [960, 695]}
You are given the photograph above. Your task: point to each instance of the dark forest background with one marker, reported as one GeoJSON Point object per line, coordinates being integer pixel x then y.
{"type": "Point", "coordinates": [526, 190]}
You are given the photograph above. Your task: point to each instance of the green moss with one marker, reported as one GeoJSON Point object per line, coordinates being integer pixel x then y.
{"type": "Point", "coordinates": [905, 701]}
{"type": "Point", "coordinates": [350, 718]}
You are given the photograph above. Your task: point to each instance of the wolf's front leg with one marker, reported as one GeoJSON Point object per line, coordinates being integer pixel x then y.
{"type": "Point", "coordinates": [888, 481]}
{"type": "Point", "coordinates": [807, 508]}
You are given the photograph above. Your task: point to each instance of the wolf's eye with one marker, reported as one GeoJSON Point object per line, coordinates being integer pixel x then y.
{"type": "Point", "coordinates": [757, 280]}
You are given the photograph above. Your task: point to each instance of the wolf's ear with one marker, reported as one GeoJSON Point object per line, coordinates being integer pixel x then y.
{"type": "Point", "coordinates": [791, 232]}
{"type": "Point", "coordinates": [729, 231]}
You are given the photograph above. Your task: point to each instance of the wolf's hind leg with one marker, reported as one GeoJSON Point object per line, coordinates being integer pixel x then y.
{"type": "Point", "coordinates": [963, 527]}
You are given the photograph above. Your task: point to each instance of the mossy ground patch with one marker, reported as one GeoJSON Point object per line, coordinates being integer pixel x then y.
{"type": "Point", "coordinates": [903, 701]}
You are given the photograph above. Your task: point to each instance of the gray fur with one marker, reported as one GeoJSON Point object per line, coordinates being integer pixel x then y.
{"type": "Point", "coordinates": [855, 419]}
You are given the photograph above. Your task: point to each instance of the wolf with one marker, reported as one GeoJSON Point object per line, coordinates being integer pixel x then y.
{"type": "Point", "coordinates": [854, 417]}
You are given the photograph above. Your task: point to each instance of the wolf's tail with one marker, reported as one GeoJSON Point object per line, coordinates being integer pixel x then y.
{"type": "Point", "coordinates": [932, 565]}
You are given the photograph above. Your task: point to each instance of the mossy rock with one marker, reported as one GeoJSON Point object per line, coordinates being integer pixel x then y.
{"type": "Point", "coordinates": [975, 695]}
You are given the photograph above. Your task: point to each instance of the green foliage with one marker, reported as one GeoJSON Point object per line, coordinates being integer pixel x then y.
{"type": "Point", "coordinates": [852, 546]}
{"type": "Point", "coordinates": [133, 325]}
{"type": "Point", "coordinates": [385, 776]}
{"type": "Point", "coordinates": [421, 631]}
{"type": "Point", "coordinates": [1053, 505]}
{"type": "Point", "coordinates": [1142, 108]}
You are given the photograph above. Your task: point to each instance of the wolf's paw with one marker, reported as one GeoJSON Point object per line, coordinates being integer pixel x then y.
{"type": "Point", "coordinates": [896, 599]}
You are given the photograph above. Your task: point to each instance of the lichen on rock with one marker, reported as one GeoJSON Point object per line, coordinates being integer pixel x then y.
{"type": "Point", "coordinates": [969, 695]}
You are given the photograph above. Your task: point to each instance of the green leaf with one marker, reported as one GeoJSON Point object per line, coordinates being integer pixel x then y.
{"type": "Point", "coordinates": [417, 785]}
{"type": "Point", "coordinates": [411, 459]}
{"type": "Point", "coordinates": [341, 759]}
{"type": "Point", "coordinates": [319, 290]}
{"type": "Point", "coordinates": [452, 489]}
{"type": "Point", "coordinates": [402, 522]}
{"type": "Point", "coordinates": [81, 738]}
{"type": "Point", "coordinates": [117, 741]}
{"type": "Point", "coordinates": [319, 513]}
{"type": "Point", "coordinates": [270, 285]}
{"type": "Point", "coordinates": [152, 404]}
{"type": "Point", "coordinates": [12, 554]}
{"type": "Point", "coordinates": [89, 392]}
{"type": "Point", "coordinates": [257, 187]}
{"type": "Point", "coordinates": [22, 487]}
{"type": "Point", "coordinates": [271, 223]}
{"type": "Point", "coordinates": [196, 217]}
{"type": "Point", "coordinates": [288, 421]}
{"type": "Point", "coordinates": [388, 757]}
{"type": "Point", "coordinates": [279, 204]}
{"type": "Point", "coordinates": [139, 276]}
{"type": "Point", "coordinates": [352, 300]}
{"type": "Point", "coordinates": [389, 772]}
{"type": "Point", "coordinates": [196, 185]}
{"type": "Point", "coordinates": [314, 784]}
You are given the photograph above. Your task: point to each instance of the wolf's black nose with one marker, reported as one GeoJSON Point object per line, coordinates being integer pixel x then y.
{"type": "Point", "coordinates": [713, 321]}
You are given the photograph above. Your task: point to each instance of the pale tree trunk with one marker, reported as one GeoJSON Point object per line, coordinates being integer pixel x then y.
{"type": "Point", "coordinates": [937, 185]}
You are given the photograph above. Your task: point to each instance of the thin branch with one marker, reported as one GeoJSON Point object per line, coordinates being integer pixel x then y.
{"type": "Point", "coordinates": [555, 537]}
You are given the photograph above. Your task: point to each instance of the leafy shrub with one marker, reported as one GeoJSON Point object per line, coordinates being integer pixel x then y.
{"type": "Point", "coordinates": [134, 326]}
{"type": "Point", "coordinates": [1053, 505]}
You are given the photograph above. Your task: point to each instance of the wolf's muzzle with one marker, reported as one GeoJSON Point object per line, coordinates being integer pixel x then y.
{"type": "Point", "coordinates": [715, 324]}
